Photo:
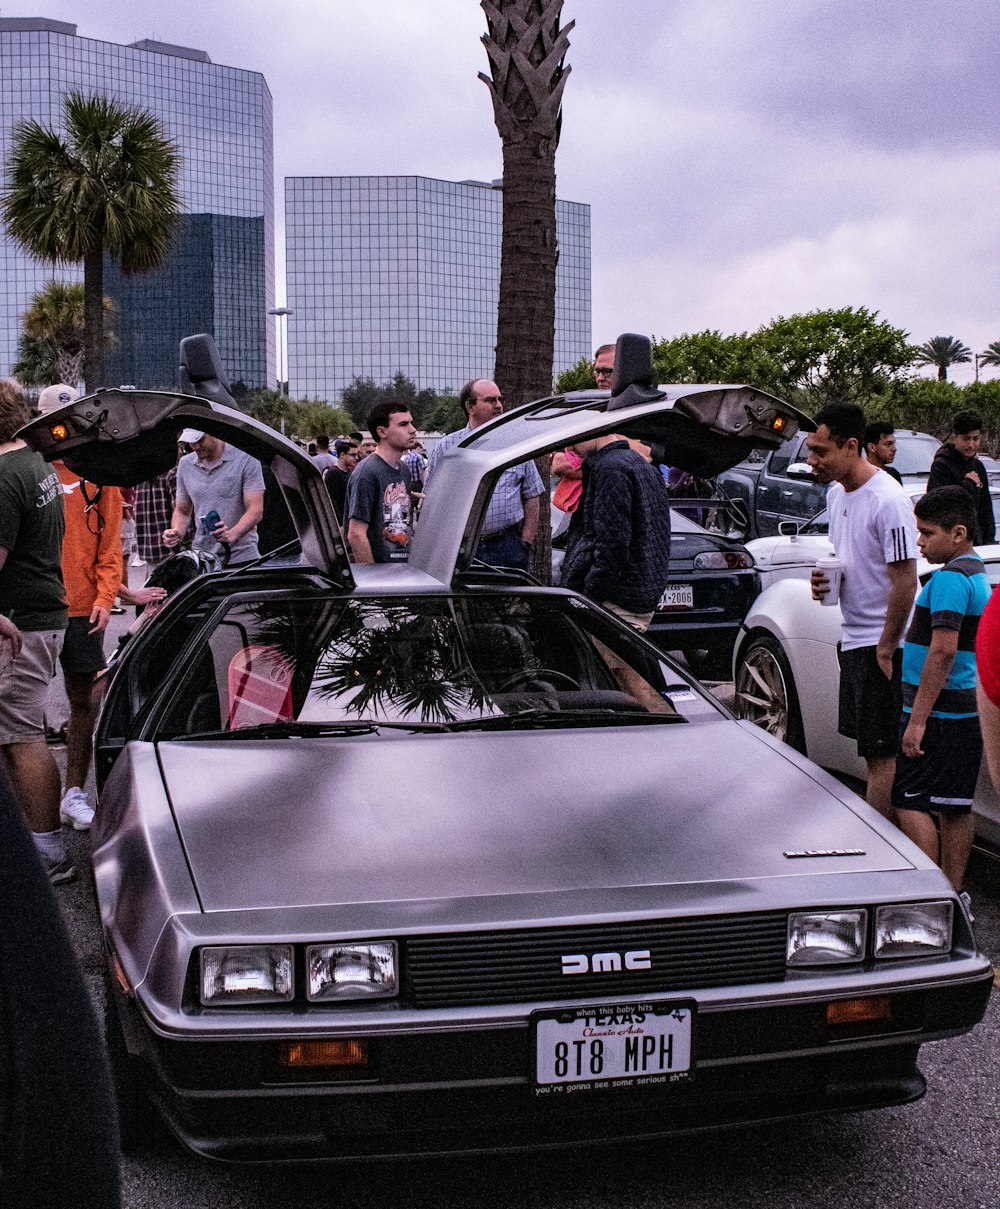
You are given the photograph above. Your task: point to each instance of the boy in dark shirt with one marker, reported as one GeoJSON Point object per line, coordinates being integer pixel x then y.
{"type": "Point", "coordinates": [957, 463]}
{"type": "Point", "coordinates": [940, 743]}
{"type": "Point", "coordinates": [379, 508]}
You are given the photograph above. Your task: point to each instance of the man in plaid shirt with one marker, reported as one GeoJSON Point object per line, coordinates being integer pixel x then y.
{"type": "Point", "coordinates": [154, 507]}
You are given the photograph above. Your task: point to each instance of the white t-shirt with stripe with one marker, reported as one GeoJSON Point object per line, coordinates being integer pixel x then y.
{"type": "Point", "coordinates": [869, 528]}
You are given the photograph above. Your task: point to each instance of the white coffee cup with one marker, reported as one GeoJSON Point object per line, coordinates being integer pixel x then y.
{"type": "Point", "coordinates": [833, 569]}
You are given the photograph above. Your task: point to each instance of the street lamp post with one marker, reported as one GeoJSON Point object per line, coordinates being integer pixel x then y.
{"type": "Point", "coordinates": [281, 313]}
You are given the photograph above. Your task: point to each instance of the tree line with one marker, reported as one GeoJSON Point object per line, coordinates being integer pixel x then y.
{"type": "Point", "coordinates": [844, 355]}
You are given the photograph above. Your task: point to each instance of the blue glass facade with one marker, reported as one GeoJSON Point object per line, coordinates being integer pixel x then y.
{"type": "Point", "coordinates": [222, 264]}
{"type": "Point", "coordinates": [390, 273]}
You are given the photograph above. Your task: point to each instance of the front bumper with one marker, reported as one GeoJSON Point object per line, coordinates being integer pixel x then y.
{"type": "Point", "coordinates": [462, 1090]}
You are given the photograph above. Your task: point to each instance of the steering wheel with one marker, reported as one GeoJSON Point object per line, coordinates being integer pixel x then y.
{"type": "Point", "coordinates": [528, 674]}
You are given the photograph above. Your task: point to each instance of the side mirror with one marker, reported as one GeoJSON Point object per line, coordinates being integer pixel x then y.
{"type": "Point", "coordinates": [201, 372]}
{"type": "Point", "coordinates": [800, 470]}
{"type": "Point", "coordinates": [633, 381]}
{"type": "Point", "coordinates": [788, 528]}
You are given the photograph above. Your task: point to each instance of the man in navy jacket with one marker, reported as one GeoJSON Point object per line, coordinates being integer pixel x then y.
{"type": "Point", "coordinates": [619, 543]}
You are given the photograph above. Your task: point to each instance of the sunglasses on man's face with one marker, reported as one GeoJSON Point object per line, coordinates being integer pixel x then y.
{"type": "Point", "coordinates": [603, 373]}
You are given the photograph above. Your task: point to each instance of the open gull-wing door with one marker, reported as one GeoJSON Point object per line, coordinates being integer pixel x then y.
{"type": "Point", "coordinates": [123, 437]}
{"type": "Point", "coordinates": [701, 429]}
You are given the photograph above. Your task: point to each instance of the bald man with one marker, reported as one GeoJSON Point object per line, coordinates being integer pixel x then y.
{"type": "Point", "coordinates": [511, 520]}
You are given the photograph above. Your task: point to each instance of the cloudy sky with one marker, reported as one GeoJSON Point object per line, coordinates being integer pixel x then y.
{"type": "Point", "coordinates": [742, 158]}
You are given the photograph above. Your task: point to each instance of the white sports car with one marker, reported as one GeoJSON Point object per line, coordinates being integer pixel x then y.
{"type": "Point", "coordinates": [785, 665]}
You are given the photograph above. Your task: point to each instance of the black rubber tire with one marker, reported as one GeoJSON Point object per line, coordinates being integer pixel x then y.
{"type": "Point", "coordinates": [713, 664]}
{"type": "Point", "coordinates": [764, 691]}
{"type": "Point", "coordinates": [138, 1121]}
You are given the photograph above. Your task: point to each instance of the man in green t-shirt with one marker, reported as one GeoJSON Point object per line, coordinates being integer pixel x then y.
{"type": "Point", "coordinates": [33, 610]}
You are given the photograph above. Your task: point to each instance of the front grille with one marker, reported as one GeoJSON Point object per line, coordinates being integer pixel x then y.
{"type": "Point", "coordinates": [525, 965]}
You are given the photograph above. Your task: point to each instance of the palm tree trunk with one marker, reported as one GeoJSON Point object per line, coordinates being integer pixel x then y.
{"type": "Point", "coordinates": [526, 314]}
{"type": "Point", "coordinates": [527, 47]}
{"type": "Point", "coordinates": [93, 318]}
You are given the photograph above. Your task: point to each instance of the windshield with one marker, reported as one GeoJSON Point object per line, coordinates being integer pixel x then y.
{"type": "Point", "coordinates": [914, 453]}
{"type": "Point", "coordinates": [432, 662]}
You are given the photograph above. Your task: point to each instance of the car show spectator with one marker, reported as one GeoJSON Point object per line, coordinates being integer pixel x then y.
{"type": "Point", "coordinates": [379, 507]}
{"type": "Point", "coordinates": [92, 573]}
{"type": "Point", "coordinates": [940, 743]}
{"type": "Point", "coordinates": [217, 478]}
{"type": "Point", "coordinates": [958, 462]}
{"type": "Point", "coordinates": [618, 551]}
{"type": "Point", "coordinates": [323, 458]}
{"type": "Point", "coordinates": [338, 476]}
{"type": "Point", "coordinates": [880, 447]}
{"type": "Point", "coordinates": [988, 688]}
{"type": "Point", "coordinates": [567, 466]}
{"type": "Point", "coordinates": [58, 1135]}
{"type": "Point", "coordinates": [511, 520]}
{"type": "Point", "coordinates": [874, 537]}
{"type": "Point", "coordinates": [154, 507]}
{"type": "Point", "coordinates": [33, 606]}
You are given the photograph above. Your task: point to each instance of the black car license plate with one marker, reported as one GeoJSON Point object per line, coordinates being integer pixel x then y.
{"type": "Point", "coordinates": [621, 1044]}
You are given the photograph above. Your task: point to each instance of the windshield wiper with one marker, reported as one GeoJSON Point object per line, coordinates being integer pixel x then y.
{"type": "Point", "coordinates": [540, 716]}
{"type": "Point", "coordinates": [310, 730]}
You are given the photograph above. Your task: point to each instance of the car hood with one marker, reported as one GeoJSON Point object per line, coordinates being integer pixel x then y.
{"type": "Point", "coordinates": [800, 551]}
{"type": "Point", "coordinates": [324, 822]}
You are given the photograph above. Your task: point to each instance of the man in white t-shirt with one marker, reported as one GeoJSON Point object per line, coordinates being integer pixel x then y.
{"type": "Point", "coordinates": [875, 537]}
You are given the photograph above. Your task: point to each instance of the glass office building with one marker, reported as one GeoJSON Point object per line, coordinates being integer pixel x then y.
{"type": "Point", "coordinates": [390, 273]}
{"type": "Point", "coordinates": [219, 276]}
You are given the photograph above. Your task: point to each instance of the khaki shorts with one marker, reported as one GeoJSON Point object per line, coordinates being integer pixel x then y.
{"type": "Point", "coordinates": [24, 683]}
{"type": "Point", "coordinates": [638, 621]}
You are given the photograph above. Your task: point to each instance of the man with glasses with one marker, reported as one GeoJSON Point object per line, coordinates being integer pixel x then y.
{"type": "Point", "coordinates": [511, 520]}
{"type": "Point", "coordinates": [337, 475]}
{"type": "Point", "coordinates": [566, 466]}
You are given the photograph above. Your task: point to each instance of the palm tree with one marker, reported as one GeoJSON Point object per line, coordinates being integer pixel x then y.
{"type": "Point", "coordinates": [109, 185]}
{"type": "Point", "coordinates": [992, 354]}
{"type": "Point", "coordinates": [51, 346]}
{"type": "Point", "coordinates": [942, 351]}
{"type": "Point", "coordinates": [527, 49]}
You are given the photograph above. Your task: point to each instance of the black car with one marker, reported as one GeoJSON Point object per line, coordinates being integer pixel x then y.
{"type": "Point", "coordinates": [713, 582]}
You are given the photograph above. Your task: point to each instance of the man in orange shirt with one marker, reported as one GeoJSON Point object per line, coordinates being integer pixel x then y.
{"type": "Point", "coordinates": [92, 572]}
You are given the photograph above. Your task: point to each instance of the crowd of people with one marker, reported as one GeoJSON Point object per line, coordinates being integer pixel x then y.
{"type": "Point", "coordinates": [908, 662]}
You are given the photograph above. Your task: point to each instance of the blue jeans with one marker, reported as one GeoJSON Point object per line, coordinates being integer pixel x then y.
{"type": "Point", "coordinates": [504, 549]}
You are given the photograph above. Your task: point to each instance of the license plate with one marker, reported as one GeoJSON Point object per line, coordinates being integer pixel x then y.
{"type": "Point", "coordinates": [681, 597]}
{"type": "Point", "coordinates": [621, 1045]}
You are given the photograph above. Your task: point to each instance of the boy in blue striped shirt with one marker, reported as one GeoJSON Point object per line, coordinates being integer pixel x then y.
{"type": "Point", "coordinates": [940, 743]}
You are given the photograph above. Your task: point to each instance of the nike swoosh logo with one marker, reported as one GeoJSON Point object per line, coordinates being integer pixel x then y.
{"type": "Point", "coordinates": [911, 795]}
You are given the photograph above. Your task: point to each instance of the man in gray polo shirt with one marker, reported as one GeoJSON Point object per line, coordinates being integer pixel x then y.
{"type": "Point", "coordinates": [215, 477]}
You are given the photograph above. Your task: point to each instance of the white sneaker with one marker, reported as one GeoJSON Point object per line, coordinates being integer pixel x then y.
{"type": "Point", "coordinates": [75, 810]}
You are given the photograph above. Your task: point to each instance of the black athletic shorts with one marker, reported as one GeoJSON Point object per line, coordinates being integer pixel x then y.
{"type": "Point", "coordinates": [870, 705]}
{"type": "Point", "coordinates": [943, 779]}
{"type": "Point", "coordinates": [82, 652]}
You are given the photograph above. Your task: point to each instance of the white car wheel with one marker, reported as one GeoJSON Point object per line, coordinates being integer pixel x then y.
{"type": "Point", "coordinates": [765, 692]}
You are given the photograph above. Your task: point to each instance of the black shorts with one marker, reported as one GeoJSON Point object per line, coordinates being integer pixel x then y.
{"type": "Point", "coordinates": [943, 779]}
{"type": "Point", "coordinates": [82, 653]}
{"type": "Point", "coordinates": [870, 705]}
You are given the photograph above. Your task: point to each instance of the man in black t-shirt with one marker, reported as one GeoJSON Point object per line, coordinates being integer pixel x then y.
{"type": "Point", "coordinates": [337, 476]}
{"type": "Point", "coordinates": [379, 508]}
{"type": "Point", "coordinates": [33, 601]}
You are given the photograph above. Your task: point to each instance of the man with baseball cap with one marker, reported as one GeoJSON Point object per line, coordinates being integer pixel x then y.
{"type": "Point", "coordinates": [216, 478]}
{"type": "Point", "coordinates": [92, 573]}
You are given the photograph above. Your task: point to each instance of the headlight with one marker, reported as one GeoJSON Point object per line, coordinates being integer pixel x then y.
{"type": "Point", "coordinates": [246, 974]}
{"type": "Point", "coordinates": [826, 938]}
{"type": "Point", "coordinates": [913, 929]}
{"type": "Point", "coordinates": [723, 560]}
{"type": "Point", "coordinates": [352, 971]}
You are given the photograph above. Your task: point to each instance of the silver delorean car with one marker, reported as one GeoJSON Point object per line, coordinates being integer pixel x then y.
{"type": "Point", "coordinates": [430, 858]}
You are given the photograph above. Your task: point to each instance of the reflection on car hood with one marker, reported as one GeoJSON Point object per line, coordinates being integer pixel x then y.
{"type": "Point", "coordinates": [380, 819]}
{"type": "Point", "coordinates": [802, 550]}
